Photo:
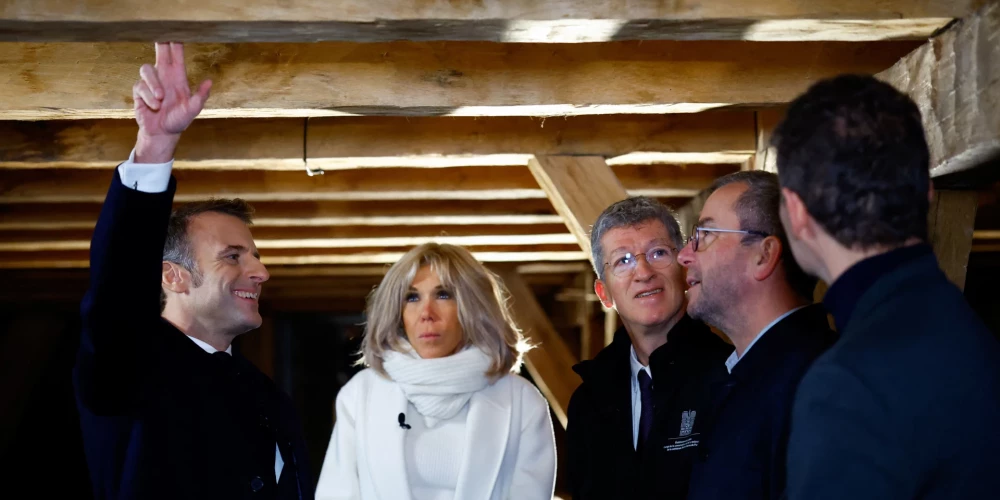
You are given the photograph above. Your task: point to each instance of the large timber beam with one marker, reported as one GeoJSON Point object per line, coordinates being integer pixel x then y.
{"type": "Point", "coordinates": [376, 141]}
{"type": "Point", "coordinates": [34, 216]}
{"type": "Point", "coordinates": [69, 259]}
{"type": "Point", "coordinates": [580, 188]}
{"type": "Point", "coordinates": [460, 183]}
{"type": "Point", "coordinates": [488, 20]}
{"type": "Point", "coordinates": [551, 362]}
{"type": "Point", "coordinates": [75, 80]}
{"type": "Point", "coordinates": [955, 81]}
{"type": "Point", "coordinates": [268, 238]}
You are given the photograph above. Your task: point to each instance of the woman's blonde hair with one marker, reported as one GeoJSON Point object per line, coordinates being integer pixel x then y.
{"type": "Point", "coordinates": [482, 308]}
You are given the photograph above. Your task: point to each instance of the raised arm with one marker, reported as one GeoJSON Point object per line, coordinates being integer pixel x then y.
{"type": "Point", "coordinates": [122, 306]}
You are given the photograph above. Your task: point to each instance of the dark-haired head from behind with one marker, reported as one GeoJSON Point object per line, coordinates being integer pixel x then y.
{"type": "Point", "coordinates": [853, 149]}
{"type": "Point", "coordinates": [853, 165]}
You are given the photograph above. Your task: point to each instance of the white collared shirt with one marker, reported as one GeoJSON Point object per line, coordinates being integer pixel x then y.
{"type": "Point", "coordinates": [636, 394]}
{"type": "Point", "coordinates": [734, 358]}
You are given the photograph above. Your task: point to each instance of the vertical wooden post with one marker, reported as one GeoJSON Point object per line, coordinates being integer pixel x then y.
{"type": "Point", "coordinates": [950, 225]}
{"type": "Point", "coordinates": [610, 325]}
{"type": "Point", "coordinates": [765, 158]}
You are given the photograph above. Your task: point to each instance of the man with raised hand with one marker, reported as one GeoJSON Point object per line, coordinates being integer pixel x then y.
{"type": "Point", "coordinates": [167, 409]}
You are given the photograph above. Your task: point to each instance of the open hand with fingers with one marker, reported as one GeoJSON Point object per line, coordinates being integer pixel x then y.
{"type": "Point", "coordinates": [164, 104]}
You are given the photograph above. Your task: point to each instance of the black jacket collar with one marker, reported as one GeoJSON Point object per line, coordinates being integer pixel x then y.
{"type": "Point", "coordinates": [806, 329]}
{"type": "Point", "coordinates": [610, 370]}
{"type": "Point", "coordinates": [843, 296]}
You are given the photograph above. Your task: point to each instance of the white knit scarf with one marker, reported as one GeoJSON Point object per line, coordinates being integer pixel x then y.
{"type": "Point", "coordinates": [439, 387]}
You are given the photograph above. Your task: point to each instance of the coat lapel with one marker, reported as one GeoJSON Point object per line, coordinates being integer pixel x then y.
{"type": "Point", "coordinates": [487, 430]}
{"type": "Point", "coordinates": [385, 439]}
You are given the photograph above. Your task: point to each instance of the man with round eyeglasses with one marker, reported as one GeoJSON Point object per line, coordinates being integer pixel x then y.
{"type": "Point", "coordinates": [636, 423]}
{"type": "Point", "coordinates": [744, 281]}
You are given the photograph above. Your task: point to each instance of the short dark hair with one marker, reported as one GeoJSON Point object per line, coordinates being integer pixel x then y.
{"type": "Point", "coordinates": [758, 209]}
{"type": "Point", "coordinates": [626, 213]}
{"type": "Point", "coordinates": [177, 247]}
{"type": "Point", "coordinates": [853, 148]}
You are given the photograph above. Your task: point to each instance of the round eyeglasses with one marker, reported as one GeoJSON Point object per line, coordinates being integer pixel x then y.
{"type": "Point", "coordinates": [657, 258]}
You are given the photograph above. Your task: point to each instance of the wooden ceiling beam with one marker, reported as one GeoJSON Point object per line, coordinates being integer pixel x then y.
{"type": "Point", "coordinates": [76, 80]}
{"type": "Point", "coordinates": [324, 243]}
{"type": "Point", "coordinates": [319, 214]}
{"type": "Point", "coordinates": [580, 188]}
{"type": "Point", "coordinates": [467, 183]}
{"type": "Point", "coordinates": [80, 261]}
{"type": "Point", "coordinates": [490, 20]}
{"type": "Point", "coordinates": [378, 141]}
{"type": "Point", "coordinates": [955, 80]}
{"type": "Point", "coordinates": [32, 216]}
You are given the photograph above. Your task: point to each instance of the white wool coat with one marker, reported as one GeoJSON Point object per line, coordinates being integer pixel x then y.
{"type": "Point", "coordinates": [509, 450]}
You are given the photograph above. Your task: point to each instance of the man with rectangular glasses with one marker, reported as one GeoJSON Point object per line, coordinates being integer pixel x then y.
{"type": "Point", "coordinates": [636, 422]}
{"type": "Point", "coordinates": [744, 281]}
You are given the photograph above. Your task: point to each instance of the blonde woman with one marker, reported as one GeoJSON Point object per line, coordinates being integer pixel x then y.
{"type": "Point", "coordinates": [439, 413]}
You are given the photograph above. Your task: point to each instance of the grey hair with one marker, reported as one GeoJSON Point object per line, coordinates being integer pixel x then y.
{"type": "Point", "coordinates": [627, 213]}
{"type": "Point", "coordinates": [758, 209]}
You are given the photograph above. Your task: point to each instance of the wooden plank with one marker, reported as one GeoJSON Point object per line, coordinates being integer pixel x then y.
{"type": "Point", "coordinates": [560, 21]}
{"type": "Point", "coordinates": [952, 217]}
{"type": "Point", "coordinates": [955, 81]}
{"type": "Point", "coordinates": [32, 216]}
{"type": "Point", "coordinates": [78, 259]}
{"type": "Point", "coordinates": [464, 141]}
{"type": "Point", "coordinates": [766, 158]}
{"type": "Point", "coordinates": [42, 245]}
{"type": "Point", "coordinates": [466, 183]}
{"type": "Point", "coordinates": [74, 80]}
{"type": "Point", "coordinates": [378, 141]}
{"type": "Point", "coordinates": [580, 188]}
{"type": "Point", "coordinates": [38, 217]}
{"type": "Point", "coordinates": [525, 270]}
{"type": "Point", "coordinates": [551, 362]}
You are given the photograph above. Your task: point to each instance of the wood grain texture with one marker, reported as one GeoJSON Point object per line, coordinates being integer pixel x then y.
{"type": "Point", "coordinates": [766, 158]}
{"type": "Point", "coordinates": [94, 80]}
{"type": "Point", "coordinates": [580, 188]}
{"type": "Point", "coordinates": [377, 142]}
{"type": "Point", "coordinates": [952, 218]}
{"type": "Point", "coordinates": [560, 21]}
{"type": "Point", "coordinates": [465, 183]}
{"type": "Point", "coordinates": [955, 81]}
{"type": "Point", "coordinates": [551, 362]}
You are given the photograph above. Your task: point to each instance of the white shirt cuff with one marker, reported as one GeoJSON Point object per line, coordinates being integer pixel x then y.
{"type": "Point", "coordinates": [145, 177]}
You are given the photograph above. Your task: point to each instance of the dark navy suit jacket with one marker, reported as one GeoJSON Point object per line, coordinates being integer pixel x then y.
{"type": "Point", "coordinates": [744, 454]}
{"type": "Point", "coordinates": [161, 418]}
{"type": "Point", "coordinates": [906, 404]}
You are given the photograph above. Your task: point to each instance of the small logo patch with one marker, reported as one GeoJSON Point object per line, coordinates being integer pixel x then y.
{"type": "Point", "coordinates": [687, 422]}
